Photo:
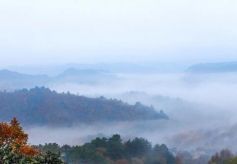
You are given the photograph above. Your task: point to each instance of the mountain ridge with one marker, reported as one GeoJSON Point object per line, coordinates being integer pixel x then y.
{"type": "Point", "coordinates": [41, 106]}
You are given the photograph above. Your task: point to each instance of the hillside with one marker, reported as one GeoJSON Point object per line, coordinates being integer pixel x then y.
{"type": "Point", "coordinates": [41, 106]}
{"type": "Point", "coordinates": [11, 80]}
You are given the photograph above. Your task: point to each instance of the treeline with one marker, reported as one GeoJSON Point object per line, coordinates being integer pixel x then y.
{"type": "Point", "coordinates": [113, 151]}
{"type": "Point", "coordinates": [41, 106]}
{"type": "Point", "coordinates": [136, 151]}
{"type": "Point", "coordinates": [14, 149]}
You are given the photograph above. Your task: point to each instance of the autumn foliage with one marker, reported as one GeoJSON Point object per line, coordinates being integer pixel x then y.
{"type": "Point", "coordinates": [13, 136]}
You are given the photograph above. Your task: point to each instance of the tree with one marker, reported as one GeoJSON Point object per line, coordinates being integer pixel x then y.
{"type": "Point", "coordinates": [137, 147]}
{"type": "Point", "coordinates": [12, 136]}
{"type": "Point", "coordinates": [49, 158]}
{"type": "Point", "coordinates": [15, 150]}
{"type": "Point", "coordinates": [160, 155]}
{"type": "Point", "coordinates": [51, 147]}
{"type": "Point", "coordinates": [115, 148]}
{"type": "Point", "coordinates": [99, 142]}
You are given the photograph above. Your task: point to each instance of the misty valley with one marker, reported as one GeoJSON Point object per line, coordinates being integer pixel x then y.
{"type": "Point", "coordinates": [118, 81]}
{"type": "Point", "coordinates": [89, 114]}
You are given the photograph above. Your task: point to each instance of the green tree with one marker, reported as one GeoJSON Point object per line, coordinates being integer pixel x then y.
{"type": "Point", "coordinates": [137, 147]}
{"type": "Point", "coordinates": [160, 155]}
{"type": "Point", "coordinates": [115, 148]}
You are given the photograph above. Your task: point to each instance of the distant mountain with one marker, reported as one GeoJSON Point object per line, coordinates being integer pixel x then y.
{"type": "Point", "coordinates": [112, 67]}
{"type": "Point", "coordinates": [11, 75]}
{"type": "Point", "coordinates": [213, 67]}
{"type": "Point", "coordinates": [84, 76]}
{"type": "Point", "coordinates": [12, 80]}
{"type": "Point", "coordinates": [124, 67]}
{"type": "Point", "coordinates": [41, 106]}
{"type": "Point", "coordinates": [76, 72]}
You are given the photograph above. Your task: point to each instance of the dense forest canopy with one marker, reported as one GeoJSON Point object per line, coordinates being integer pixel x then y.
{"type": "Point", "coordinates": [113, 150]}
{"type": "Point", "coordinates": [41, 106]}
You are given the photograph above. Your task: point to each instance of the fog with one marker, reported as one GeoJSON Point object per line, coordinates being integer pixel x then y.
{"type": "Point", "coordinates": [201, 109]}
{"type": "Point", "coordinates": [202, 88]}
{"type": "Point", "coordinates": [38, 37]}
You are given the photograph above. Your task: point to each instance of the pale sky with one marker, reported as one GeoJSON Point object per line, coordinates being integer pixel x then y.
{"type": "Point", "coordinates": [89, 31]}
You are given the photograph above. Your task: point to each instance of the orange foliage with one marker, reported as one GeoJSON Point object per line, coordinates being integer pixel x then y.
{"type": "Point", "coordinates": [12, 135]}
{"type": "Point", "coordinates": [28, 150]}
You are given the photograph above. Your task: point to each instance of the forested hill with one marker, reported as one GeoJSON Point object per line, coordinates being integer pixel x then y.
{"type": "Point", "coordinates": [41, 106]}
